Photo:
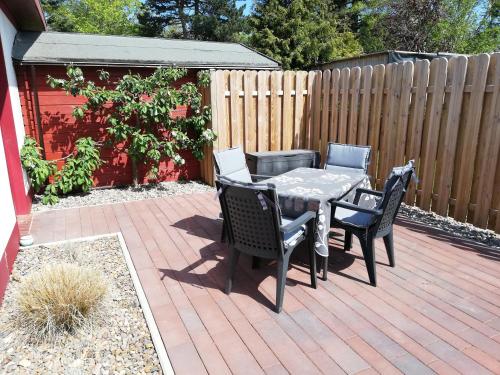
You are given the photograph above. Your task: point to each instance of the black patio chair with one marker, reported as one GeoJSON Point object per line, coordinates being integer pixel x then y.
{"type": "Point", "coordinates": [231, 164]}
{"type": "Point", "coordinates": [370, 223]}
{"type": "Point", "coordinates": [343, 156]}
{"type": "Point", "coordinates": [256, 227]}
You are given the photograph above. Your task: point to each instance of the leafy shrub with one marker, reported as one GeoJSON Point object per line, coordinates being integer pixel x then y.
{"type": "Point", "coordinates": [138, 112]}
{"type": "Point", "coordinates": [35, 166]}
{"type": "Point", "coordinates": [74, 176]}
{"type": "Point", "coordinates": [59, 298]}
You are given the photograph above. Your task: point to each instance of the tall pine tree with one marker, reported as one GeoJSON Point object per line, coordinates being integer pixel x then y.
{"type": "Point", "coordinates": [218, 20]}
{"type": "Point", "coordinates": [300, 33]}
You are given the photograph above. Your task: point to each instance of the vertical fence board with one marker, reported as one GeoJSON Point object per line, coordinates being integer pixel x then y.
{"type": "Point", "coordinates": [334, 106]}
{"type": "Point", "coordinates": [276, 129]}
{"type": "Point", "coordinates": [496, 198]}
{"type": "Point", "coordinates": [325, 111]}
{"type": "Point", "coordinates": [316, 108]}
{"type": "Point", "coordinates": [262, 111]}
{"type": "Point", "coordinates": [448, 135]}
{"type": "Point", "coordinates": [354, 87]}
{"type": "Point", "coordinates": [416, 124]}
{"type": "Point", "coordinates": [234, 88]}
{"type": "Point", "coordinates": [375, 120]}
{"type": "Point", "coordinates": [488, 153]}
{"type": "Point", "coordinates": [437, 80]}
{"type": "Point", "coordinates": [344, 105]}
{"type": "Point", "coordinates": [220, 107]}
{"type": "Point", "coordinates": [403, 113]}
{"type": "Point", "coordinates": [288, 110]}
{"type": "Point", "coordinates": [468, 134]}
{"type": "Point", "coordinates": [298, 133]}
{"type": "Point", "coordinates": [364, 112]}
{"type": "Point", "coordinates": [309, 109]}
{"type": "Point", "coordinates": [387, 112]}
{"type": "Point", "coordinates": [250, 118]}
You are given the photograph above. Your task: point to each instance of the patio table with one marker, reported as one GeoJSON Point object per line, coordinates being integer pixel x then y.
{"type": "Point", "coordinates": [309, 189]}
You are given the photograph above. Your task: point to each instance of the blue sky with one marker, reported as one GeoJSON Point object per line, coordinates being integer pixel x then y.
{"type": "Point", "coordinates": [248, 4]}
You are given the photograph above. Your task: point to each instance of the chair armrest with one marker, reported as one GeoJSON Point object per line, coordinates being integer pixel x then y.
{"type": "Point", "coordinates": [369, 191]}
{"type": "Point", "coordinates": [360, 191]}
{"type": "Point", "coordinates": [298, 222]}
{"type": "Point", "coordinates": [353, 207]}
{"type": "Point", "coordinates": [257, 177]}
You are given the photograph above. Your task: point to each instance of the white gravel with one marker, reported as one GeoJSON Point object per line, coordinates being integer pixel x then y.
{"type": "Point", "coordinates": [451, 226]}
{"type": "Point", "coordinates": [124, 194]}
{"type": "Point", "coordinates": [118, 341]}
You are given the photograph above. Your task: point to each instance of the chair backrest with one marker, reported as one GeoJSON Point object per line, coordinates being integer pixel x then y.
{"type": "Point", "coordinates": [231, 163]}
{"type": "Point", "coordinates": [252, 218]}
{"type": "Point", "coordinates": [348, 156]}
{"type": "Point", "coordinates": [394, 190]}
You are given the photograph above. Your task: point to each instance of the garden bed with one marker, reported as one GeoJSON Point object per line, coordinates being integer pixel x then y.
{"type": "Point", "coordinates": [124, 194]}
{"type": "Point", "coordinates": [451, 226]}
{"type": "Point", "coordinates": [117, 340]}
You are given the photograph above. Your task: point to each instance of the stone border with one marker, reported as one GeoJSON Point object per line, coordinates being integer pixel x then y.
{"type": "Point", "coordinates": [161, 352]}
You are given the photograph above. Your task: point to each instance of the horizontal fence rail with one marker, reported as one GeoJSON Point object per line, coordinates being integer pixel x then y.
{"type": "Point", "coordinates": [445, 114]}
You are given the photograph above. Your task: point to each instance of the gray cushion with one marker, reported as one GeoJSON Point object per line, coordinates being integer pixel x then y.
{"type": "Point", "coordinates": [349, 156]}
{"type": "Point", "coordinates": [358, 219]}
{"type": "Point", "coordinates": [231, 163]}
{"type": "Point", "coordinates": [291, 239]}
{"type": "Point", "coordinates": [396, 173]}
{"type": "Point", "coordinates": [339, 170]}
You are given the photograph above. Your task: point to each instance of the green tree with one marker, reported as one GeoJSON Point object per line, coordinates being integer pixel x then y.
{"type": "Point", "coordinates": [300, 33]}
{"type": "Point", "coordinates": [114, 17]}
{"type": "Point", "coordinates": [218, 20]}
{"type": "Point", "coordinates": [461, 26]}
{"type": "Point", "coordinates": [138, 113]}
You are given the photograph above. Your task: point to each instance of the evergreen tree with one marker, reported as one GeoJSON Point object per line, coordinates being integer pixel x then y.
{"type": "Point", "coordinates": [300, 33]}
{"type": "Point", "coordinates": [218, 20]}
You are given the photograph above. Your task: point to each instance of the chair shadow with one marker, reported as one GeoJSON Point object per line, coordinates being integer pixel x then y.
{"type": "Point", "coordinates": [202, 222]}
{"type": "Point", "coordinates": [339, 260]}
{"type": "Point", "coordinates": [480, 249]}
{"type": "Point", "coordinates": [246, 280]}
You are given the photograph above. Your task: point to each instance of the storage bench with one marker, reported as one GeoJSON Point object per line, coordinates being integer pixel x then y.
{"type": "Point", "coordinates": [273, 163]}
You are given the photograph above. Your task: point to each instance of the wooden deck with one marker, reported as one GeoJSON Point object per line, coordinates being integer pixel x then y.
{"type": "Point", "coordinates": [437, 311]}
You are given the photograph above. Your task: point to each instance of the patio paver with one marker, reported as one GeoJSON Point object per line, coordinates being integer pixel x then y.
{"type": "Point", "coordinates": [437, 311]}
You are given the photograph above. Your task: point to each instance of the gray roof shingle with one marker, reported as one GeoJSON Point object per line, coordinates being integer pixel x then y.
{"type": "Point", "coordinates": [89, 49]}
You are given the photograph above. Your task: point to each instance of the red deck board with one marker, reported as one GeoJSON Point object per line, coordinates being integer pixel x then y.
{"type": "Point", "coordinates": [437, 311]}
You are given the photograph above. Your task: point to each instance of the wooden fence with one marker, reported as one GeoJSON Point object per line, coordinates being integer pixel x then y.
{"type": "Point", "coordinates": [444, 114]}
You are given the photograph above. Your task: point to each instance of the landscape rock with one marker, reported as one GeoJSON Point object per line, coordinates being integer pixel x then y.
{"type": "Point", "coordinates": [95, 349]}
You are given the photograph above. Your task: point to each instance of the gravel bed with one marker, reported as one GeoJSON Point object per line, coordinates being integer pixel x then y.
{"type": "Point", "coordinates": [124, 194]}
{"type": "Point", "coordinates": [451, 226]}
{"type": "Point", "coordinates": [118, 340]}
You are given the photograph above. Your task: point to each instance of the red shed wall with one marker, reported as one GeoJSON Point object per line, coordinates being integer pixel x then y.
{"type": "Point", "coordinates": [60, 129]}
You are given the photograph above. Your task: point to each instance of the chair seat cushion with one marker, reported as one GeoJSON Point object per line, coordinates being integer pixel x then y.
{"type": "Point", "coordinates": [340, 170]}
{"type": "Point", "coordinates": [292, 238]}
{"type": "Point", "coordinates": [355, 218]}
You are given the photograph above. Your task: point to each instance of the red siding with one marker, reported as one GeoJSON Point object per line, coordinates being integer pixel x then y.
{"type": "Point", "coordinates": [7, 260]}
{"type": "Point", "coordinates": [60, 129]}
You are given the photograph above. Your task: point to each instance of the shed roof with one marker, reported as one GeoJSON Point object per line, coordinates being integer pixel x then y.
{"type": "Point", "coordinates": [54, 48]}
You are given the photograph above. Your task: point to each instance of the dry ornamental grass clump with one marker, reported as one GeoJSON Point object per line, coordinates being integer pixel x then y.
{"type": "Point", "coordinates": [57, 299]}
